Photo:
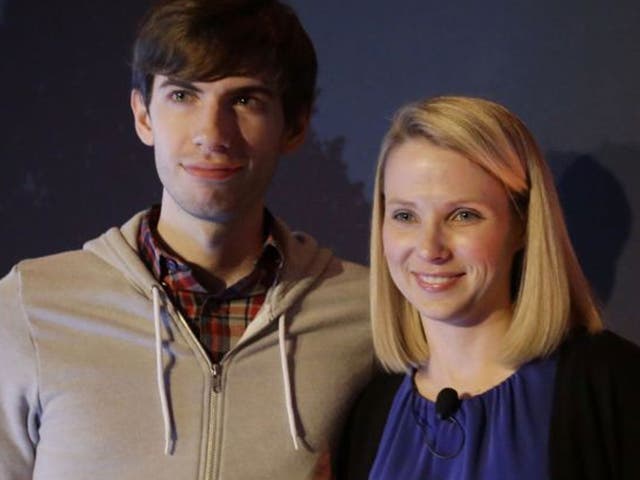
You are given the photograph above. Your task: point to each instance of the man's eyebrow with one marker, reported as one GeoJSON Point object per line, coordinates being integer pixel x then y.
{"type": "Point", "coordinates": [254, 89]}
{"type": "Point", "coordinates": [175, 82]}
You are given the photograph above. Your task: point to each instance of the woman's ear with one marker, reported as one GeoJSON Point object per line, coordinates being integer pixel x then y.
{"type": "Point", "coordinates": [141, 118]}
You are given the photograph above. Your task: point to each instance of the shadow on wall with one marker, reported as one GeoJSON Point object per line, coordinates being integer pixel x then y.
{"type": "Point", "coordinates": [597, 213]}
{"type": "Point", "coordinates": [311, 192]}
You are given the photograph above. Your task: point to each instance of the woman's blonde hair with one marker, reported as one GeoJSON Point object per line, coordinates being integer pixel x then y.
{"type": "Point", "coordinates": [550, 292]}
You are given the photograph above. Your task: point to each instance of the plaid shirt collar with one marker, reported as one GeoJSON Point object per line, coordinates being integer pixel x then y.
{"type": "Point", "coordinates": [178, 276]}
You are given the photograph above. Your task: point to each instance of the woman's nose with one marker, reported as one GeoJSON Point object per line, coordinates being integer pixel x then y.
{"type": "Point", "coordinates": [433, 245]}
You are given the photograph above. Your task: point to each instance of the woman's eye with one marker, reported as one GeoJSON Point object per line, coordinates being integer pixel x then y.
{"type": "Point", "coordinates": [465, 216]}
{"type": "Point", "coordinates": [402, 216]}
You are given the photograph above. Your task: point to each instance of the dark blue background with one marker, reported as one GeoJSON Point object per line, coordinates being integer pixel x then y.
{"type": "Point", "coordinates": [72, 166]}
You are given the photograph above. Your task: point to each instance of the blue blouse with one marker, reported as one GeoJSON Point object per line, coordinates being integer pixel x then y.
{"type": "Point", "coordinates": [500, 434]}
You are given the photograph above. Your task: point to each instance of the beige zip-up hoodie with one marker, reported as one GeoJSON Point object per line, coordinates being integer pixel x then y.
{"type": "Point", "coordinates": [101, 378]}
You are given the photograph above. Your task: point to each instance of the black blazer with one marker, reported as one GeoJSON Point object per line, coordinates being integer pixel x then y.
{"type": "Point", "coordinates": [595, 419]}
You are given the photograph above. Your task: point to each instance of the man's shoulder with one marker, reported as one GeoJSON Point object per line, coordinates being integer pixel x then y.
{"type": "Point", "coordinates": [353, 269]}
{"type": "Point", "coordinates": [346, 277]}
{"type": "Point", "coordinates": [54, 271]}
{"type": "Point", "coordinates": [82, 257]}
{"type": "Point", "coordinates": [100, 257]}
{"type": "Point", "coordinates": [46, 280]}
{"type": "Point", "coordinates": [59, 261]}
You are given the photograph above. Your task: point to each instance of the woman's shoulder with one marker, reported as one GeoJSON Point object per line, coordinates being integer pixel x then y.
{"type": "Point", "coordinates": [604, 349]}
{"type": "Point", "coordinates": [598, 369]}
{"type": "Point", "coordinates": [594, 428]}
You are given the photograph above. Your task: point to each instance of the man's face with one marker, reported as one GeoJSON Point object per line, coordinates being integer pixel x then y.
{"type": "Point", "coordinates": [216, 143]}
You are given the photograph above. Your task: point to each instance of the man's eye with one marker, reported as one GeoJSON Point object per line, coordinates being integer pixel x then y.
{"type": "Point", "coordinates": [179, 96]}
{"type": "Point", "coordinates": [246, 100]}
{"type": "Point", "coordinates": [252, 102]}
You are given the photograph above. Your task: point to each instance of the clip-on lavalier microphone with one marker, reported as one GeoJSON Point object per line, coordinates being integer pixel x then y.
{"type": "Point", "coordinates": [447, 403]}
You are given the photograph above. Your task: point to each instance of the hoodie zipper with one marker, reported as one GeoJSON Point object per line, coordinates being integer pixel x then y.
{"type": "Point", "coordinates": [216, 383]}
{"type": "Point", "coordinates": [216, 376]}
{"type": "Point", "coordinates": [216, 388]}
{"type": "Point", "coordinates": [211, 456]}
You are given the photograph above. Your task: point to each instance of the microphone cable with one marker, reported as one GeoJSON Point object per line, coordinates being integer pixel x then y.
{"type": "Point", "coordinates": [447, 403]}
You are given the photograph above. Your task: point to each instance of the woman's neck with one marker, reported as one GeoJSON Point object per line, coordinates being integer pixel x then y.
{"type": "Point", "coordinates": [465, 358]}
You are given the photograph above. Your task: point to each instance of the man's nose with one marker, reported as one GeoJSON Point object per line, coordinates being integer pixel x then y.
{"type": "Point", "coordinates": [214, 128]}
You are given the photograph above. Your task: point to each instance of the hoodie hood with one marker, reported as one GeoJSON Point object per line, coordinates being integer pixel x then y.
{"type": "Point", "coordinates": [304, 262]}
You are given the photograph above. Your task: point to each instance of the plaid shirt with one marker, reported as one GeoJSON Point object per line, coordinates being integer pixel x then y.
{"type": "Point", "coordinates": [218, 319]}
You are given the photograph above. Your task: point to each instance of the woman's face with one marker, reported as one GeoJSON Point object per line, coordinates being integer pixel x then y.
{"type": "Point", "coordinates": [449, 234]}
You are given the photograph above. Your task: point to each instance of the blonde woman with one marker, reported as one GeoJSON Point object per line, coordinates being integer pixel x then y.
{"type": "Point", "coordinates": [479, 301]}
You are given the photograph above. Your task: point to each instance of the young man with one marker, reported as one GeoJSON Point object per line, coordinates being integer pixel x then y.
{"type": "Point", "coordinates": [202, 339]}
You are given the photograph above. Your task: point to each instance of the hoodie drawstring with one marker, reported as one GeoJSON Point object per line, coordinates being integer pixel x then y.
{"type": "Point", "coordinates": [162, 387]}
{"type": "Point", "coordinates": [160, 378]}
{"type": "Point", "coordinates": [287, 381]}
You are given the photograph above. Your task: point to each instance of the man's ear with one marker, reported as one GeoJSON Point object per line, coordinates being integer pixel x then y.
{"type": "Point", "coordinates": [296, 133]}
{"type": "Point", "coordinates": [141, 118]}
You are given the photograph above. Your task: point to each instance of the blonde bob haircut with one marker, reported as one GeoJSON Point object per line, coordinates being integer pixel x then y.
{"type": "Point", "coordinates": [550, 293]}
